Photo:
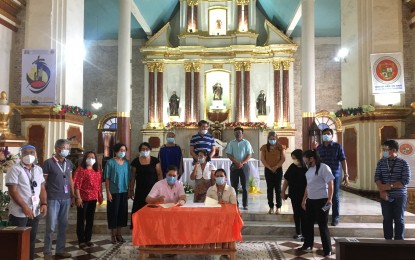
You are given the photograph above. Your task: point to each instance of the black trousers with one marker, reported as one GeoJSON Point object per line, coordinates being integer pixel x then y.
{"type": "Point", "coordinates": [273, 180]}
{"type": "Point", "coordinates": [314, 212]}
{"type": "Point", "coordinates": [26, 222]}
{"type": "Point", "coordinates": [85, 220]}
{"type": "Point", "coordinates": [299, 215]}
{"type": "Point", "coordinates": [117, 210]}
{"type": "Point", "coordinates": [243, 174]}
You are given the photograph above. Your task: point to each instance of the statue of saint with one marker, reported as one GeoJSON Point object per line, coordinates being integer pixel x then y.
{"type": "Point", "coordinates": [217, 129]}
{"type": "Point", "coordinates": [217, 91]}
{"type": "Point", "coordinates": [174, 104]}
{"type": "Point", "coordinates": [3, 98]}
{"type": "Point", "coordinates": [261, 103]}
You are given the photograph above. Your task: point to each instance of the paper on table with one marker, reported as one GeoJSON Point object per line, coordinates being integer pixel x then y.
{"type": "Point", "coordinates": [167, 205]}
{"type": "Point", "coordinates": [209, 202]}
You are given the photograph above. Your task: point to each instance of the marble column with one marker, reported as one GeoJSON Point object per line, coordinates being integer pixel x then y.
{"type": "Point", "coordinates": [242, 15]}
{"type": "Point", "coordinates": [238, 91]}
{"type": "Point", "coordinates": [285, 92]}
{"type": "Point", "coordinates": [196, 90]}
{"type": "Point", "coordinates": [124, 75]}
{"type": "Point", "coordinates": [277, 92]}
{"type": "Point", "coordinates": [192, 15]}
{"type": "Point", "coordinates": [188, 92]}
{"type": "Point", "coordinates": [159, 108]}
{"type": "Point", "coordinates": [151, 100]}
{"type": "Point", "coordinates": [247, 89]}
{"type": "Point", "coordinates": [308, 69]}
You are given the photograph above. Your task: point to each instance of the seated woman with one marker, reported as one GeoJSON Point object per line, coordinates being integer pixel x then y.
{"type": "Point", "coordinates": [203, 175]}
{"type": "Point", "coordinates": [222, 192]}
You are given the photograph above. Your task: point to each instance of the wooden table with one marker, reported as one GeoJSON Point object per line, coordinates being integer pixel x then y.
{"type": "Point", "coordinates": [181, 230]}
{"type": "Point", "coordinates": [15, 243]}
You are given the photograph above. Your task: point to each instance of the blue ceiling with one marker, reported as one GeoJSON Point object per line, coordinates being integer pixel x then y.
{"type": "Point", "coordinates": [101, 17]}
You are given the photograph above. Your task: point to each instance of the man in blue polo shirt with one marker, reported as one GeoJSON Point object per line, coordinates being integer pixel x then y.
{"type": "Point", "coordinates": [202, 141]}
{"type": "Point", "coordinates": [239, 151]}
{"type": "Point", "coordinates": [332, 154]}
{"type": "Point", "coordinates": [392, 175]}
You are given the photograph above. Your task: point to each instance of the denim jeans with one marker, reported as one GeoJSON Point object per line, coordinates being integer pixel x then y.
{"type": "Point", "coordinates": [26, 222]}
{"type": "Point", "coordinates": [393, 213]}
{"type": "Point", "coordinates": [243, 174]}
{"type": "Point", "coordinates": [57, 214]}
{"type": "Point", "coordinates": [335, 208]}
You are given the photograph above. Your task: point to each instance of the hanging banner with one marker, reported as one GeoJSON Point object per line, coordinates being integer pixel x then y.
{"type": "Point", "coordinates": [387, 73]}
{"type": "Point", "coordinates": [38, 77]}
{"type": "Point", "coordinates": [407, 151]}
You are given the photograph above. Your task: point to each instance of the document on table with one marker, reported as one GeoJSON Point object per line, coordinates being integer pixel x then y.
{"type": "Point", "coordinates": [212, 203]}
{"type": "Point", "coordinates": [167, 205]}
{"type": "Point", "coordinates": [209, 203]}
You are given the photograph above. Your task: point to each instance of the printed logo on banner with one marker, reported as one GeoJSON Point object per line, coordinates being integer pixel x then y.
{"type": "Point", "coordinates": [387, 73]}
{"type": "Point", "coordinates": [387, 70]}
{"type": "Point", "coordinates": [406, 149]}
{"type": "Point", "coordinates": [39, 76]}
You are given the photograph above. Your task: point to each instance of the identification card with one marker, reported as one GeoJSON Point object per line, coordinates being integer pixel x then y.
{"type": "Point", "coordinates": [35, 203]}
{"type": "Point", "coordinates": [66, 188]}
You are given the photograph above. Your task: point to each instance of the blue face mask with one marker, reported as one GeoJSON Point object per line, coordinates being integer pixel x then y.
{"type": "Point", "coordinates": [121, 154]}
{"type": "Point", "coordinates": [272, 142]}
{"type": "Point", "coordinates": [170, 139]}
{"type": "Point", "coordinates": [385, 154]}
{"type": "Point", "coordinates": [144, 153]}
{"type": "Point", "coordinates": [220, 180]}
{"type": "Point", "coordinates": [326, 138]}
{"type": "Point", "coordinates": [64, 153]}
{"type": "Point", "coordinates": [238, 135]}
{"type": "Point", "coordinates": [171, 180]}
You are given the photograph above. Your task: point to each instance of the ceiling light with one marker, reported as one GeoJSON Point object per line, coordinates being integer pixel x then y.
{"type": "Point", "coordinates": [96, 104]}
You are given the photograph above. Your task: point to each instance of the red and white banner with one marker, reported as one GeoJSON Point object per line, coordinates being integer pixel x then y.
{"type": "Point", "coordinates": [407, 151]}
{"type": "Point", "coordinates": [387, 73]}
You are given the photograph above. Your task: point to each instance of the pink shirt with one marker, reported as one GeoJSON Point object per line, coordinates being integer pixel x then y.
{"type": "Point", "coordinates": [171, 193]}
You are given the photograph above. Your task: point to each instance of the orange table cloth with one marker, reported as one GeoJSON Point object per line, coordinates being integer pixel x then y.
{"type": "Point", "coordinates": [179, 225]}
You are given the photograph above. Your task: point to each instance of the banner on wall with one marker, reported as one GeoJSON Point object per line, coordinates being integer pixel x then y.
{"type": "Point", "coordinates": [38, 77]}
{"type": "Point", "coordinates": [387, 73]}
{"type": "Point", "coordinates": [407, 151]}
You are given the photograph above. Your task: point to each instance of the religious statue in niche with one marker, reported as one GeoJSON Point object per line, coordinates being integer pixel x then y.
{"type": "Point", "coordinates": [174, 104]}
{"type": "Point", "coordinates": [218, 24]}
{"type": "Point", "coordinates": [261, 104]}
{"type": "Point", "coordinates": [217, 91]}
{"type": "Point", "coordinates": [217, 130]}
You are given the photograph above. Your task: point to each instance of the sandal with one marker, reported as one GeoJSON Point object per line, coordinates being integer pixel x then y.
{"type": "Point", "coordinates": [277, 211]}
{"type": "Point", "coordinates": [120, 239]}
{"type": "Point", "coordinates": [114, 239]}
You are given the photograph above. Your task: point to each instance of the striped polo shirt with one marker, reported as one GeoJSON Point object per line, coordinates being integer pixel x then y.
{"type": "Point", "coordinates": [205, 142]}
{"type": "Point", "coordinates": [332, 155]}
{"type": "Point", "coordinates": [391, 170]}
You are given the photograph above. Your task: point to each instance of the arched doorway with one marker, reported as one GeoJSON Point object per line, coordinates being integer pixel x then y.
{"type": "Point", "coordinates": [323, 120]}
{"type": "Point", "coordinates": [107, 132]}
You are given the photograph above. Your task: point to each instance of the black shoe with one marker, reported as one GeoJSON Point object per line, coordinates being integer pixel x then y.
{"type": "Point", "coordinates": [335, 223]}
{"type": "Point", "coordinates": [328, 254]}
{"type": "Point", "coordinates": [245, 207]}
{"type": "Point", "coordinates": [306, 248]}
{"type": "Point", "coordinates": [90, 244]}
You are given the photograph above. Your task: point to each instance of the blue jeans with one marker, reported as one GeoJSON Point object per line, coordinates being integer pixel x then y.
{"type": "Point", "coordinates": [393, 213]}
{"type": "Point", "coordinates": [57, 214]}
{"type": "Point", "coordinates": [335, 208]}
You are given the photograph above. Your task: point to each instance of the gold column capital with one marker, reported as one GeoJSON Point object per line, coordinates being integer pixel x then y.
{"type": "Point", "coordinates": [151, 67]}
{"type": "Point", "coordinates": [276, 64]}
{"type": "Point", "coordinates": [242, 2]}
{"type": "Point", "coordinates": [188, 66]}
{"type": "Point", "coordinates": [196, 67]}
{"type": "Point", "coordinates": [286, 64]}
{"type": "Point", "coordinates": [308, 114]}
{"type": "Point", "coordinates": [238, 66]}
{"type": "Point", "coordinates": [192, 2]}
{"type": "Point", "coordinates": [160, 67]}
{"type": "Point", "coordinates": [247, 65]}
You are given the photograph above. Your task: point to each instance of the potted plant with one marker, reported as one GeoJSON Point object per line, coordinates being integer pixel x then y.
{"type": "Point", "coordinates": [4, 202]}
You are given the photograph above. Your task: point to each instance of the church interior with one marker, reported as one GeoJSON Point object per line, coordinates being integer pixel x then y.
{"type": "Point", "coordinates": [131, 71]}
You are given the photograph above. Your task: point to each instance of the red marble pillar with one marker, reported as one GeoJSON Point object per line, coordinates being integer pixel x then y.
{"type": "Point", "coordinates": [247, 89]}
{"type": "Point", "coordinates": [196, 91]}
{"type": "Point", "coordinates": [151, 100]}
{"type": "Point", "coordinates": [308, 119]}
{"type": "Point", "coordinates": [277, 91]}
{"type": "Point", "coordinates": [238, 92]}
{"type": "Point", "coordinates": [242, 16]}
{"type": "Point", "coordinates": [192, 16]}
{"type": "Point", "coordinates": [124, 130]}
{"type": "Point", "coordinates": [188, 93]}
{"type": "Point", "coordinates": [159, 107]}
{"type": "Point", "coordinates": [285, 91]}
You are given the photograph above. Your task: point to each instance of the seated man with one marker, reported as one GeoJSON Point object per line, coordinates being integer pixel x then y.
{"type": "Point", "coordinates": [222, 192]}
{"type": "Point", "coordinates": [168, 190]}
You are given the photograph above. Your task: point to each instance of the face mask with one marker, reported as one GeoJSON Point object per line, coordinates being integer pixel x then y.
{"type": "Point", "coordinates": [326, 138]}
{"type": "Point", "coordinates": [171, 180]}
{"type": "Point", "coordinates": [220, 180]}
{"type": "Point", "coordinates": [90, 161]}
{"type": "Point", "coordinates": [203, 132]}
{"type": "Point", "coordinates": [121, 154]}
{"type": "Point", "coordinates": [28, 159]}
{"type": "Point", "coordinates": [272, 142]}
{"type": "Point", "coordinates": [144, 153]}
{"type": "Point", "coordinates": [64, 153]}
{"type": "Point", "coordinates": [385, 154]}
{"type": "Point", "coordinates": [170, 139]}
{"type": "Point", "coordinates": [238, 135]}
{"type": "Point", "coordinates": [202, 160]}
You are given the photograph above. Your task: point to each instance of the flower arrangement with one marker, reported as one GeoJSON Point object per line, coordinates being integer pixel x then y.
{"type": "Point", "coordinates": [7, 160]}
{"type": "Point", "coordinates": [75, 110]}
{"type": "Point", "coordinates": [188, 189]}
{"type": "Point", "coordinates": [260, 125]}
{"type": "Point", "coordinates": [181, 124]}
{"type": "Point", "coordinates": [355, 111]}
{"type": "Point", "coordinates": [253, 189]}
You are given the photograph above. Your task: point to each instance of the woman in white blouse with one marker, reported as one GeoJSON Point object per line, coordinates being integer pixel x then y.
{"type": "Point", "coordinates": [203, 174]}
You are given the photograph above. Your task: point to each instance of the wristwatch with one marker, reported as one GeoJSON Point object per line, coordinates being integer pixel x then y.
{"type": "Point", "coordinates": [391, 185]}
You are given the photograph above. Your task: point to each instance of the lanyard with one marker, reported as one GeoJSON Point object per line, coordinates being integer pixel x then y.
{"type": "Point", "coordinates": [29, 175]}
{"type": "Point", "coordinates": [64, 166]}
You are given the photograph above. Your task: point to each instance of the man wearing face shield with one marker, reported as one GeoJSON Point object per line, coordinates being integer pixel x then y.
{"type": "Point", "coordinates": [59, 187]}
{"type": "Point", "coordinates": [27, 192]}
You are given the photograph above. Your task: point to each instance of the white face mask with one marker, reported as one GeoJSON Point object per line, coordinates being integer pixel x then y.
{"type": "Point", "coordinates": [28, 159]}
{"type": "Point", "coordinates": [90, 161]}
{"type": "Point", "coordinates": [203, 132]}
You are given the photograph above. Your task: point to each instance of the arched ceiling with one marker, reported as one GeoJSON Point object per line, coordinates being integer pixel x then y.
{"type": "Point", "coordinates": [148, 16]}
